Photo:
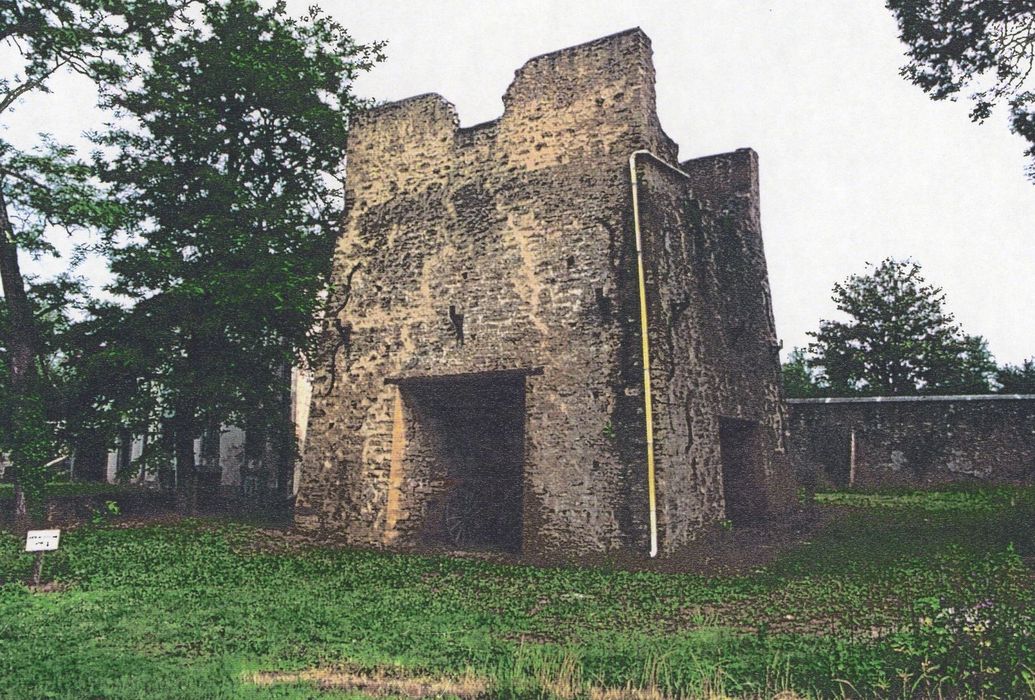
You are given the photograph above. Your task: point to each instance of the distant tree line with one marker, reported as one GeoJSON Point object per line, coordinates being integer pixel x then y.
{"type": "Point", "coordinates": [896, 339]}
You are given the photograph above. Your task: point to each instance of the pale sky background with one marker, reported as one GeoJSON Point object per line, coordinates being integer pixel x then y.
{"type": "Point", "coordinates": [856, 163]}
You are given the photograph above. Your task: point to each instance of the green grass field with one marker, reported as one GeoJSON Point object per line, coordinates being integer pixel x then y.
{"type": "Point", "coordinates": [901, 595]}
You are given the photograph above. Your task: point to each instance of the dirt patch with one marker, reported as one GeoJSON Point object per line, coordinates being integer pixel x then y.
{"type": "Point", "coordinates": [69, 511]}
{"type": "Point", "coordinates": [379, 684]}
{"type": "Point", "coordinates": [49, 587]}
{"type": "Point", "coordinates": [398, 684]}
{"type": "Point", "coordinates": [717, 552]}
{"type": "Point", "coordinates": [720, 551]}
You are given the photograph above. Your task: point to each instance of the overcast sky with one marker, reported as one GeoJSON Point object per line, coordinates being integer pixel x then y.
{"type": "Point", "coordinates": [856, 163]}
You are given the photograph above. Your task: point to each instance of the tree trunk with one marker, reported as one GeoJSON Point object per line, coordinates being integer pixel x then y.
{"type": "Point", "coordinates": [22, 336]}
{"type": "Point", "coordinates": [287, 444]}
{"type": "Point", "coordinates": [123, 455]}
{"type": "Point", "coordinates": [21, 341]}
{"type": "Point", "coordinates": [286, 455]}
{"type": "Point", "coordinates": [91, 459]}
{"type": "Point", "coordinates": [145, 441]}
{"type": "Point", "coordinates": [186, 469]}
{"type": "Point", "coordinates": [255, 441]}
{"type": "Point", "coordinates": [167, 446]}
{"type": "Point", "coordinates": [21, 513]}
{"type": "Point", "coordinates": [283, 436]}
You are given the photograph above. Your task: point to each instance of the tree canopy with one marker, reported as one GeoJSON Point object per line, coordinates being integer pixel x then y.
{"type": "Point", "coordinates": [897, 339]}
{"type": "Point", "coordinates": [798, 377]}
{"type": "Point", "coordinates": [1017, 379]}
{"type": "Point", "coordinates": [229, 171]}
{"type": "Point", "coordinates": [986, 46]}
{"type": "Point", "coordinates": [103, 40]}
{"type": "Point", "coordinates": [216, 199]}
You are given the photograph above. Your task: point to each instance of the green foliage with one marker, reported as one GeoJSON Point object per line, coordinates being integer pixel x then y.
{"type": "Point", "coordinates": [99, 516]}
{"type": "Point", "coordinates": [799, 380]}
{"type": "Point", "coordinates": [1017, 379]}
{"type": "Point", "coordinates": [237, 135]}
{"type": "Point", "coordinates": [48, 187]}
{"type": "Point", "coordinates": [187, 611]}
{"type": "Point", "coordinates": [987, 45]}
{"type": "Point", "coordinates": [898, 339]}
{"type": "Point", "coordinates": [44, 188]}
{"type": "Point", "coordinates": [974, 637]}
{"type": "Point", "coordinates": [74, 370]}
{"type": "Point", "coordinates": [31, 445]}
{"type": "Point", "coordinates": [964, 498]}
{"type": "Point", "coordinates": [95, 38]}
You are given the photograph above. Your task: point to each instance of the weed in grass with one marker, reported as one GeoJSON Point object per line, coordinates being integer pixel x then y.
{"type": "Point", "coordinates": [99, 516]}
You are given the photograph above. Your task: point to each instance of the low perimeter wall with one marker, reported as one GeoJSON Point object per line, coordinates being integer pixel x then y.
{"type": "Point", "coordinates": [912, 440]}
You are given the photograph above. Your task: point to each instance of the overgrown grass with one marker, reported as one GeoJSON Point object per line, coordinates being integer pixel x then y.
{"type": "Point", "coordinates": [875, 606]}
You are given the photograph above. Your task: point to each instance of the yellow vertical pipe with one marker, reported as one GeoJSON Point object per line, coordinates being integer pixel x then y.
{"type": "Point", "coordinates": [645, 347]}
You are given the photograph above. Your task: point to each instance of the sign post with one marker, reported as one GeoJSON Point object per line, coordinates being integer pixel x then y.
{"type": "Point", "coordinates": [40, 541]}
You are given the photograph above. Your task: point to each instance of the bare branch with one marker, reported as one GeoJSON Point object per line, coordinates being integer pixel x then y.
{"type": "Point", "coordinates": [28, 85]}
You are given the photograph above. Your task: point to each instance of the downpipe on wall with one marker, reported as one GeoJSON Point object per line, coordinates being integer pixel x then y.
{"type": "Point", "coordinates": [645, 342]}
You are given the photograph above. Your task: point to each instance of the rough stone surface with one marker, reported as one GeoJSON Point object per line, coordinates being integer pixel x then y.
{"type": "Point", "coordinates": [918, 441]}
{"type": "Point", "coordinates": [486, 288]}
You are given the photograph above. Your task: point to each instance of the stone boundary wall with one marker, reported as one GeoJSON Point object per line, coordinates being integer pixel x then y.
{"type": "Point", "coordinates": [913, 440]}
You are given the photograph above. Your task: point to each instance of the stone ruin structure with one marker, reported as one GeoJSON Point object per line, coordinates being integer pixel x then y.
{"type": "Point", "coordinates": [484, 384]}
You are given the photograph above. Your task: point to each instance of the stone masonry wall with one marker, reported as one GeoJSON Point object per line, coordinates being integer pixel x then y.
{"type": "Point", "coordinates": [714, 340]}
{"type": "Point", "coordinates": [504, 252]}
{"type": "Point", "coordinates": [914, 441]}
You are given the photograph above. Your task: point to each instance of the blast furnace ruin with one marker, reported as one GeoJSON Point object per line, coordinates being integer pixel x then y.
{"type": "Point", "coordinates": [484, 384]}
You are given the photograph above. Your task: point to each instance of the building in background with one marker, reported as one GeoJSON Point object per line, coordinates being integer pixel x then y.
{"type": "Point", "coordinates": [223, 457]}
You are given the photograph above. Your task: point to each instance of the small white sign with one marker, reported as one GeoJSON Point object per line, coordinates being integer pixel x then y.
{"type": "Point", "coordinates": [42, 540]}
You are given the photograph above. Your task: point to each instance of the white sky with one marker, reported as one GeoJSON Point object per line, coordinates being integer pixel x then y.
{"type": "Point", "coordinates": [856, 163]}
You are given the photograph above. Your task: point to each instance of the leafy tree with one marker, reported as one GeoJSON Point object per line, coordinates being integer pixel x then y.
{"type": "Point", "coordinates": [899, 339]}
{"type": "Point", "coordinates": [986, 45]}
{"type": "Point", "coordinates": [1017, 379]}
{"type": "Point", "coordinates": [239, 134]}
{"type": "Point", "coordinates": [99, 39]}
{"type": "Point", "coordinates": [57, 305]}
{"type": "Point", "coordinates": [799, 380]}
{"type": "Point", "coordinates": [45, 188]}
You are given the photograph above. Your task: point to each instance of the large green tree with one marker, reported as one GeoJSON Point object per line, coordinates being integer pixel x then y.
{"type": "Point", "coordinates": [102, 40]}
{"type": "Point", "coordinates": [897, 339]}
{"type": "Point", "coordinates": [984, 46]}
{"type": "Point", "coordinates": [230, 166]}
